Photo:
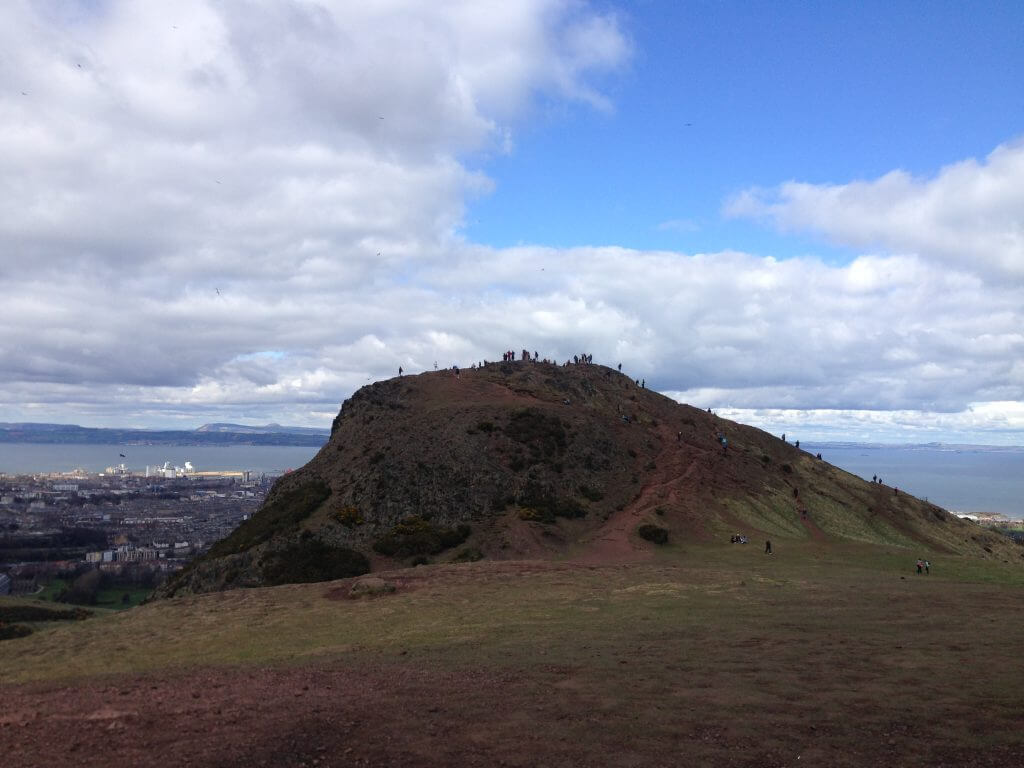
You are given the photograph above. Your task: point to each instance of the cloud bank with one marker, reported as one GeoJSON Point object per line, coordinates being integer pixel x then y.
{"type": "Point", "coordinates": [969, 216]}
{"type": "Point", "coordinates": [244, 211]}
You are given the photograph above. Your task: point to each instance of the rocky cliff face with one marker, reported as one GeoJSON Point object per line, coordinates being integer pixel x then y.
{"type": "Point", "coordinates": [529, 459]}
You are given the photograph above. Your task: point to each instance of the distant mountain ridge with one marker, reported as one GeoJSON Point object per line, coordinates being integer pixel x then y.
{"type": "Point", "coordinates": [208, 434]}
{"type": "Point", "coordinates": [913, 446]}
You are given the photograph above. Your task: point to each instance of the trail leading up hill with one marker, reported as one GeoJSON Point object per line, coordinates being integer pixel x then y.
{"type": "Point", "coordinates": [520, 460]}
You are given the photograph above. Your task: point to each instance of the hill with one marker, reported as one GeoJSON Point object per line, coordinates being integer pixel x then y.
{"type": "Point", "coordinates": [208, 434]}
{"type": "Point", "coordinates": [526, 460]}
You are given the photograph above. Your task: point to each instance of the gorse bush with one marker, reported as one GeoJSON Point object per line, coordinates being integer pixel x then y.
{"type": "Point", "coordinates": [12, 631]}
{"type": "Point", "coordinates": [418, 536]}
{"type": "Point", "coordinates": [350, 517]}
{"type": "Point", "coordinates": [545, 505]}
{"type": "Point", "coordinates": [10, 613]}
{"type": "Point", "coordinates": [312, 559]}
{"type": "Point", "coordinates": [654, 533]}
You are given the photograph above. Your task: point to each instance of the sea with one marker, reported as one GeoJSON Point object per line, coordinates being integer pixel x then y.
{"type": "Point", "coordinates": [962, 479]}
{"type": "Point", "coordinates": [965, 479]}
{"type": "Point", "coordinates": [30, 458]}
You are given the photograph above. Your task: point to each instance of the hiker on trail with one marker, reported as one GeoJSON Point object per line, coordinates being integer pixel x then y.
{"type": "Point", "coordinates": [455, 370]}
{"type": "Point", "coordinates": [399, 371]}
{"type": "Point", "coordinates": [768, 547]}
{"type": "Point", "coordinates": [620, 367]}
{"type": "Point", "coordinates": [535, 355]}
{"type": "Point", "coordinates": [576, 359]}
{"type": "Point", "coordinates": [920, 564]}
{"type": "Point", "coordinates": [797, 443]}
{"type": "Point", "coordinates": [679, 437]}
{"type": "Point", "coordinates": [435, 365]}
{"type": "Point", "coordinates": [783, 437]}
{"type": "Point", "coordinates": [874, 478]}
{"type": "Point", "coordinates": [927, 567]}
{"type": "Point", "coordinates": [643, 383]}
{"type": "Point", "coordinates": [725, 446]}
{"type": "Point", "coordinates": [895, 491]}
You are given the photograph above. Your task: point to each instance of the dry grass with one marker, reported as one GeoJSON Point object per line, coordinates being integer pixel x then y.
{"type": "Point", "coordinates": [841, 655]}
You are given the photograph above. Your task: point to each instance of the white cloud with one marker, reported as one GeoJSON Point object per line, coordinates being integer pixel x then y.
{"type": "Point", "coordinates": [209, 220]}
{"type": "Point", "coordinates": [969, 216]}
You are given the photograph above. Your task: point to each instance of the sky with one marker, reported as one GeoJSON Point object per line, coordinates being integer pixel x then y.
{"type": "Point", "coordinates": [806, 216]}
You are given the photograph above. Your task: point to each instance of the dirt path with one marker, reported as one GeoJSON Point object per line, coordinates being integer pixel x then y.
{"type": "Point", "coordinates": [668, 486]}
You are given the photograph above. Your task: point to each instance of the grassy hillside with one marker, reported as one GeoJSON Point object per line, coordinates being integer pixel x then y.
{"type": "Point", "coordinates": [532, 460]}
{"type": "Point", "coordinates": [713, 654]}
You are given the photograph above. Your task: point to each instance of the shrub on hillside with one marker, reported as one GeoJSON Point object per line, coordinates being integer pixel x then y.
{"type": "Point", "coordinates": [590, 494]}
{"type": "Point", "coordinates": [418, 536]}
{"type": "Point", "coordinates": [546, 505]}
{"type": "Point", "coordinates": [12, 631]}
{"type": "Point", "coordinates": [654, 533]}
{"type": "Point", "coordinates": [312, 559]}
{"type": "Point", "coordinates": [350, 517]}
{"type": "Point", "coordinates": [10, 613]}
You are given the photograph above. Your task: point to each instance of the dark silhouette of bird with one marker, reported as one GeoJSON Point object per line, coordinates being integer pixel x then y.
{"type": "Point", "coordinates": [122, 456]}
{"type": "Point", "coordinates": [217, 290]}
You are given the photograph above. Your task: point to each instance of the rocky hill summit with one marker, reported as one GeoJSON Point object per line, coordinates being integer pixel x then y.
{"type": "Point", "coordinates": [526, 459]}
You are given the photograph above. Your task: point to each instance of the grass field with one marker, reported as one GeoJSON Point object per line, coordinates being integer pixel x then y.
{"type": "Point", "coordinates": [838, 656]}
{"type": "Point", "coordinates": [111, 598]}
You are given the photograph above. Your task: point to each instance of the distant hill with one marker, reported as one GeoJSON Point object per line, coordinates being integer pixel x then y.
{"type": "Point", "coordinates": [267, 429]}
{"type": "Point", "coordinates": [209, 434]}
{"type": "Point", "coordinates": [527, 460]}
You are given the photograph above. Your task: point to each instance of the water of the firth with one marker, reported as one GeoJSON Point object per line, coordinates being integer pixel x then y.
{"type": "Point", "coordinates": [967, 479]}
{"type": "Point", "coordinates": [961, 480]}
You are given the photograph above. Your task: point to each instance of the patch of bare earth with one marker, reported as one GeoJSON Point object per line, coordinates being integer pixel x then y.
{"type": "Point", "coordinates": [403, 712]}
{"type": "Point", "coordinates": [767, 667]}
